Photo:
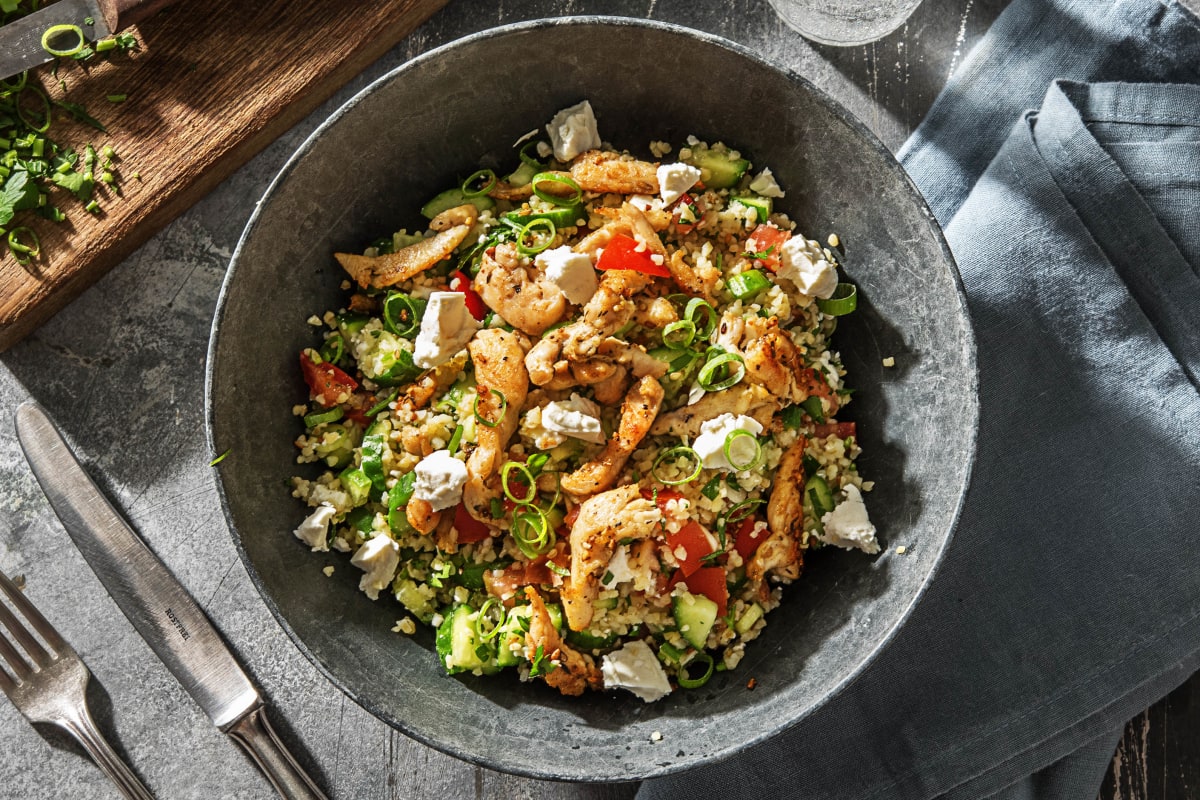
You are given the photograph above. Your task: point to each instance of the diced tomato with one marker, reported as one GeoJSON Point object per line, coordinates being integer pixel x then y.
{"type": "Point", "coordinates": [813, 382]}
{"type": "Point", "coordinates": [710, 582]}
{"type": "Point", "coordinates": [690, 545]}
{"type": "Point", "coordinates": [622, 252]}
{"type": "Point", "coordinates": [662, 497]}
{"type": "Point", "coordinates": [327, 383]}
{"type": "Point", "coordinates": [469, 528]}
{"type": "Point", "coordinates": [685, 202]}
{"type": "Point", "coordinates": [842, 430]}
{"type": "Point", "coordinates": [748, 539]}
{"type": "Point", "coordinates": [765, 243]}
{"type": "Point", "coordinates": [459, 282]}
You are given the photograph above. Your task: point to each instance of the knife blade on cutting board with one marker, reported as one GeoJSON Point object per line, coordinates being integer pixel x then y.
{"type": "Point", "coordinates": [157, 604]}
{"type": "Point", "coordinates": [21, 41]}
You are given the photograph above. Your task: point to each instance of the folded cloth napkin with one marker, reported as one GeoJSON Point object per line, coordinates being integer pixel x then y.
{"type": "Point", "coordinates": [1069, 599]}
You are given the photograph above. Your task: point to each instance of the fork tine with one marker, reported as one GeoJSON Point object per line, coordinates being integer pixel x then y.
{"type": "Point", "coordinates": [19, 631]}
{"type": "Point", "coordinates": [17, 664]}
{"type": "Point", "coordinates": [30, 612]}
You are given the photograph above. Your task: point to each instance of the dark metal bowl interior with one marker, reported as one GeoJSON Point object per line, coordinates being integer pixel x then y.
{"type": "Point", "coordinates": [432, 121]}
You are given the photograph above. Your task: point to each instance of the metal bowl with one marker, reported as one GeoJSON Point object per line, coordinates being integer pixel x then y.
{"type": "Point", "coordinates": [366, 171]}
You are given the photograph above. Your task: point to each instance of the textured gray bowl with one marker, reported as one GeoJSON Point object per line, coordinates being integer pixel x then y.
{"type": "Point", "coordinates": [365, 173]}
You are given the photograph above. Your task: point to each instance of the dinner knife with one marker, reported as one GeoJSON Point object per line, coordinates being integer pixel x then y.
{"type": "Point", "coordinates": [156, 603]}
{"type": "Point", "coordinates": [21, 46]}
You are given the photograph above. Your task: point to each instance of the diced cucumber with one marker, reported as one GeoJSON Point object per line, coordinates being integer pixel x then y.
{"type": "Point", "coordinates": [337, 444]}
{"type": "Point", "coordinates": [458, 642]}
{"type": "Point", "coordinates": [586, 640]}
{"type": "Point", "coordinates": [357, 485]}
{"type": "Point", "coordinates": [718, 170]}
{"type": "Point", "coordinates": [452, 198]}
{"type": "Point", "coordinates": [398, 497]}
{"type": "Point", "coordinates": [522, 175]}
{"type": "Point", "coordinates": [746, 285]}
{"type": "Point", "coordinates": [510, 642]}
{"type": "Point", "coordinates": [373, 447]}
{"type": "Point", "coordinates": [350, 323]}
{"type": "Point", "coordinates": [695, 615]}
{"type": "Point", "coordinates": [750, 616]}
{"type": "Point", "coordinates": [606, 603]}
{"type": "Point", "coordinates": [419, 599]}
{"type": "Point", "coordinates": [761, 205]}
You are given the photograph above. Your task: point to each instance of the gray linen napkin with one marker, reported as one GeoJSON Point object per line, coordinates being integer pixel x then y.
{"type": "Point", "coordinates": [1069, 599]}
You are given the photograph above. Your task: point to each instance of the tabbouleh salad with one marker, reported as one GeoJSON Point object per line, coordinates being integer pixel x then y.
{"type": "Point", "coordinates": [585, 423]}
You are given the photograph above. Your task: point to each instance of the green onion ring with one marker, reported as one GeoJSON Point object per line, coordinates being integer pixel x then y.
{"type": "Point", "coordinates": [16, 84]}
{"type": "Point", "coordinates": [495, 629]}
{"type": "Point", "coordinates": [736, 514]}
{"type": "Point", "coordinates": [707, 375]}
{"type": "Point", "coordinates": [528, 159]}
{"type": "Point", "coordinates": [455, 440]}
{"type": "Point", "coordinates": [693, 306]}
{"type": "Point", "coordinates": [529, 229]}
{"type": "Point", "coordinates": [551, 177]}
{"type": "Point", "coordinates": [843, 300]}
{"type": "Point", "coordinates": [685, 339]}
{"type": "Point", "coordinates": [482, 420]}
{"type": "Point", "coordinates": [55, 31]}
{"type": "Point", "coordinates": [23, 113]}
{"type": "Point", "coordinates": [531, 486]}
{"type": "Point", "coordinates": [688, 682]}
{"type": "Point", "coordinates": [382, 404]}
{"type": "Point", "coordinates": [529, 518]}
{"type": "Point", "coordinates": [333, 349]}
{"type": "Point", "coordinates": [22, 252]}
{"type": "Point", "coordinates": [727, 449]}
{"type": "Point", "coordinates": [398, 306]}
{"type": "Point", "coordinates": [675, 452]}
{"type": "Point", "coordinates": [488, 177]}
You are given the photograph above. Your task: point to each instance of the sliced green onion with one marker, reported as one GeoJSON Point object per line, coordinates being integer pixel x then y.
{"type": "Point", "coordinates": [679, 335]}
{"type": "Point", "coordinates": [528, 159]}
{"type": "Point", "coordinates": [23, 252]}
{"type": "Point", "coordinates": [684, 676]}
{"type": "Point", "coordinates": [494, 631]}
{"type": "Point", "coordinates": [482, 420]}
{"type": "Point", "coordinates": [321, 417]}
{"type": "Point", "coordinates": [402, 314]}
{"type": "Point", "coordinates": [485, 176]}
{"type": "Point", "coordinates": [333, 349]}
{"type": "Point", "coordinates": [382, 404]}
{"type": "Point", "coordinates": [727, 448]}
{"type": "Point", "coordinates": [58, 32]}
{"type": "Point", "coordinates": [696, 305]}
{"type": "Point", "coordinates": [24, 114]}
{"type": "Point", "coordinates": [843, 300]}
{"type": "Point", "coordinates": [220, 458]}
{"type": "Point", "coordinates": [708, 373]}
{"type": "Point", "coordinates": [673, 454]}
{"type": "Point", "coordinates": [455, 439]}
{"type": "Point", "coordinates": [531, 531]}
{"type": "Point", "coordinates": [669, 652]}
{"type": "Point", "coordinates": [558, 570]}
{"type": "Point", "coordinates": [531, 488]}
{"type": "Point", "coordinates": [551, 177]}
{"type": "Point", "coordinates": [746, 284]}
{"type": "Point", "coordinates": [117, 98]}
{"type": "Point", "coordinates": [529, 230]}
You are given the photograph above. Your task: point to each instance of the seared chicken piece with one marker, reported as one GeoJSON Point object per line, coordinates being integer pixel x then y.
{"type": "Point", "coordinates": [603, 521]}
{"type": "Point", "coordinates": [499, 366]}
{"type": "Point", "coordinates": [749, 399]}
{"type": "Point", "coordinates": [637, 414]}
{"type": "Point", "coordinates": [384, 270]}
{"type": "Point", "coordinates": [522, 295]}
{"type": "Point", "coordinates": [575, 672]}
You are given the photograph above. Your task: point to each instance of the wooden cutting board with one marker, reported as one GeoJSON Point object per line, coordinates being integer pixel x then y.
{"type": "Point", "coordinates": [212, 83]}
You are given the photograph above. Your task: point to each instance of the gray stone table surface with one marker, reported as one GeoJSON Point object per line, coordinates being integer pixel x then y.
{"type": "Point", "coordinates": [122, 371]}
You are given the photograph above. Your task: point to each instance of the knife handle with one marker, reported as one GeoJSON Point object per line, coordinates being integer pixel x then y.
{"type": "Point", "coordinates": [255, 733]}
{"type": "Point", "coordinates": [120, 14]}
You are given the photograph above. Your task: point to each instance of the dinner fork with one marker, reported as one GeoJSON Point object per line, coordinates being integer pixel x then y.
{"type": "Point", "coordinates": [51, 686]}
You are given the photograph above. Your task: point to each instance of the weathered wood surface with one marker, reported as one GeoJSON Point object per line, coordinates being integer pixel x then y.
{"type": "Point", "coordinates": [1158, 757]}
{"type": "Point", "coordinates": [122, 369]}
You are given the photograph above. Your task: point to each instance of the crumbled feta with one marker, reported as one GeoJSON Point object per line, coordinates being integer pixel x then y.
{"type": "Point", "coordinates": [618, 567]}
{"type": "Point", "coordinates": [445, 329]}
{"type": "Point", "coordinates": [848, 526]}
{"type": "Point", "coordinates": [314, 531]}
{"type": "Point", "coordinates": [378, 557]}
{"type": "Point", "coordinates": [675, 179]}
{"type": "Point", "coordinates": [710, 444]}
{"type": "Point", "coordinates": [802, 264]}
{"type": "Point", "coordinates": [645, 202]}
{"type": "Point", "coordinates": [636, 668]}
{"type": "Point", "coordinates": [440, 479]}
{"type": "Point", "coordinates": [577, 417]}
{"type": "Point", "coordinates": [764, 184]}
{"type": "Point", "coordinates": [571, 272]}
{"type": "Point", "coordinates": [573, 131]}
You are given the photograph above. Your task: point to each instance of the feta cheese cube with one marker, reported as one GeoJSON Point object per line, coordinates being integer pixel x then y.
{"type": "Point", "coordinates": [571, 272]}
{"type": "Point", "coordinates": [802, 264]}
{"type": "Point", "coordinates": [445, 329]}
{"type": "Point", "coordinates": [573, 131]}
{"type": "Point", "coordinates": [764, 184]}
{"type": "Point", "coordinates": [636, 668]}
{"type": "Point", "coordinates": [378, 558]}
{"type": "Point", "coordinates": [577, 417]}
{"type": "Point", "coordinates": [710, 444]}
{"type": "Point", "coordinates": [848, 525]}
{"type": "Point", "coordinates": [314, 531]}
{"type": "Point", "coordinates": [440, 480]}
{"type": "Point", "coordinates": [675, 179]}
